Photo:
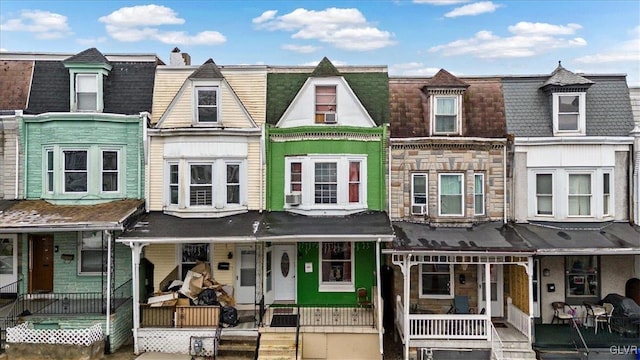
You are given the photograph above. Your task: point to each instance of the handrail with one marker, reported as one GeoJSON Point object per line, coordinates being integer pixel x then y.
{"type": "Point", "coordinates": [297, 331]}
{"type": "Point", "coordinates": [496, 346]}
{"type": "Point", "coordinates": [575, 326]}
{"type": "Point", "coordinates": [121, 294]}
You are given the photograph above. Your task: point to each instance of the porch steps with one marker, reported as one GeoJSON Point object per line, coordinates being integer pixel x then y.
{"type": "Point", "coordinates": [279, 346]}
{"type": "Point", "coordinates": [517, 350]}
{"type": "Point", "coordinates": [237, 347]}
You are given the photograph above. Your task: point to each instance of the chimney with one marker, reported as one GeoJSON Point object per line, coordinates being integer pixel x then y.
{"type": "Point", "coordinates": [177, 58]}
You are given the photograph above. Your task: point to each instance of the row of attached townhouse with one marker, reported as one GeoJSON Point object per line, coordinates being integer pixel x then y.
{"type": "Point", "coordinates": [335, 203]}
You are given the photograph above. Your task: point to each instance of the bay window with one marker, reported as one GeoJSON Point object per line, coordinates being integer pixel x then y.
{"type": "Point", "coordinates": [579, 195]}
{"type": "Point", "coordinates": [451, 194]}
{"type": "Point", "coordinates": [544, 194]}
{"type": "Point", "coordinates": [75, 171]}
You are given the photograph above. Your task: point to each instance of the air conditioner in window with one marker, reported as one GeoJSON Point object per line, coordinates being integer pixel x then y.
{"type": "Point", "coordinates": [293, 199]}
{"type": "Point", "coordinates": [330, 118]}
{"type": "Point", "coordinates": [418, 209]}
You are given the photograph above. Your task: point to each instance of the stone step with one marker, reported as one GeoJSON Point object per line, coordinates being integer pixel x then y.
{"type": "Point", "coordinates": [516, 354]}
{"type": "Point", "coordinates": [524, 345]}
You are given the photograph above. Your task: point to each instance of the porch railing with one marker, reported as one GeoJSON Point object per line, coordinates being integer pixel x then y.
{"type": "Point", "coordinates": [519, 319]}
{"type": "Point", "coordinates": [578, 339]}
{"type": "Point", "coordinates": [496, 344]}
{"type": "Point", "coordinates": [335, 315]}
{"type": "Point", "coordinates": [9, 292]}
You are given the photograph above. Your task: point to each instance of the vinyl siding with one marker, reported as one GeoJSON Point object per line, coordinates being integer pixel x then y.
{"type": "Point", "coordinates": [156, 173]}
{"type": "Point", "coordinates": [166, 86]}
{"type": "Point", "coordinates": [254, 179]}
{"type": "Point", "coordinates": [163, 257]}
{"type": "Point", "coordinates": [251, 88]}
{"type": "Point", "coordinates": [8, 140]}
{"type": "Point", "coordinates": [181, 113]}
{"type": "Point", "coordinates": [220, 252]}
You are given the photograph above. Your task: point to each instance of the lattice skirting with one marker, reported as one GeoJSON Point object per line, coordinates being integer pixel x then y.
{"type": "Point", "coordinates": [25, 333]}
{"type": "Point", "coordinates": [175, 341]}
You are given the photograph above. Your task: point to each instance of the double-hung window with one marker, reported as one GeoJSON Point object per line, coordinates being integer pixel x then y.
{"type": "Point", "coordinates": [174, 184]}
{"type": "Point", "coordinates": [207, 104]}
{"type": "Point", "coordinates": [579, 195]}
{"type": "Point", "coordinates": [478, 194]}
{"type": "Point", "coordinates": [582, 278]}
{"type": "Point", "coordinates": [446, 115]}
{"type": "Point", "coordinates": [606, 193]}
{"type": "Point", "coordinates": [326, 104]}
{"type": "Point", "coordinates": [569, 113]}
{"type": "Point", "coordinates": [436, 281]}
{"type": "Point", "coordinates": [295, 183]}
{"type": "Point", "coordinates": [233, 183]}
{"type": "Point", "coordinates": [75, 171]}
{"type": "Point", "coordinates": [110, 171]}
{"type": "Point", "coordinates": [336, 266]}
{"type": "Point", "coordinates": [201, 185]}
{"type": "Point", "coordinates": [326, 183]}
{"type": "Point", "coordinates": [544, 194]}
{"type": "Point", "coordinates": [419, 194]}
{"type": "Point", "coordinates": [50, 171]}
{"type": "Point", "coordinates": [86, 92]}
{"type": "Point", "coordinates": [92, 253]}
{"type": "Point", "coordinates": [451, 194]}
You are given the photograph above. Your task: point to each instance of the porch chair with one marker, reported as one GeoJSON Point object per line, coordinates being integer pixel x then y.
{"type": "Point", "coordinates": [605, 318]}
{"type": "Point", "coordinates": [592, 312]}
{"type": "Point", "coordinates": [363, 298]}
{"type": "Point", "coordinates": [560, 312]}
{"type": "Point", "coordinates": [460, 305]}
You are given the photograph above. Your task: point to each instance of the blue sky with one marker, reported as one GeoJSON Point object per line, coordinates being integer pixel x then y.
{"type": "Point", "coordinates": [411, 37]}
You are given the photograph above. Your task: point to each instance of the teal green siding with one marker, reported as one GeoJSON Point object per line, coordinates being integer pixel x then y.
{"type": "Point", "coordinates": [91, 133]}
{"type": "Point", "coordinates": [308, 283]}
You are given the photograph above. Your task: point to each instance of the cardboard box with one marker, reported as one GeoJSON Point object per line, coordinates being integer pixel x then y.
{"type": "Point", "coordinates": [183, 302]}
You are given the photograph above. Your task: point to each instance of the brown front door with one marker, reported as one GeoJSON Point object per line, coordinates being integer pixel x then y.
{"type": "Point", "coordinates": [41, 274]}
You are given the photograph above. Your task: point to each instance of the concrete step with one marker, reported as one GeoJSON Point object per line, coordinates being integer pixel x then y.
{"type": "Point", "coordinates": [518, 354]}
{"type": "Point", "coordinates": [524, 345]}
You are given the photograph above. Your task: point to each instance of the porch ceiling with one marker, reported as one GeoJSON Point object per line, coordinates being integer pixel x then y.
{"type": "Point", "coordinates": [40, 216]}
{"type": "Point", "coordinates": [366, 226]}
{"type": "Point", "coordinates": [491, 236]}
{"type": "Point", "coordinates": [576, 238]}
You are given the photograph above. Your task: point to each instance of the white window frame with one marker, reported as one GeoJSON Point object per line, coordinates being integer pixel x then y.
{"type": "Point", "coordinates": [480, 194]}
{"type": "Point", "coordinates": [345, 286]}
{"type": "Point", "coordinates": [414, 194]}
{"type": "Point", "coordinates": [606, 194]}
{"type": "Point", "coordinates": [434, 114]}
{"type": "Point", "coordinates": [170, 184]}
{"type": "Point", "coordinates": [86, 171]}
{"type": "Point", "coordinates": [197, 106]}
{"type": "Point", "coordinates": [211, 185]}
{"type": "Point", "coordinates": [590, 195]}
{"type": "Point", "coordinates": [49, 171]}
{"type": "Point", "coordinates": [76, 94]}
{"type": "Point", "coordinates": [81, 251]}
{"type": "Point", "coordinates": [581, 120]}
{"type": "Point", "coordinates": [332, 105]}
{"type": "Point", "coordinates": [421, 295]}
{"type": "Point", "coordinates": [117, 171]}
{"type": "Point", "coordinates": [227, 184]}
{"type": "Point", "coordinates": [342, 205]}
{"type": "Point", "coordinates": [462, 194]}
{"type": "Point", "coordinates": [536, 195]}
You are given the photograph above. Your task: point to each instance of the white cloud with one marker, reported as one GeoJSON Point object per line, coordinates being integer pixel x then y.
{"type": "Point", "coordinates": [626, 51]}
{"type": "Point", "coordinates": [486, 44]}
{"type": "Point", "coordinates": [412, 69]}
{"type": "Point", "coordinates": [473, 9]}
{"type": "Point", "coordinates": [529, 28]}
{"type": "Point", "coordinates": [137, 23]}
{"type": "Point", "coordinates": [44, 25]}
{"type": "Point", "coordinates": [302, 49]}
{"type": "Point", "coordinates": [345, 29]}
{"type": "Point", "coordinates": [440, 2]}
{"type": "Point", "coordinates": [3, 50]}
{"type": "Point", "coordinates": [91, 41]}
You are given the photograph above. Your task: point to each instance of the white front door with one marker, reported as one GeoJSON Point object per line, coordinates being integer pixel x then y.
{"type": "Point", "coordinates": [496, 285]}
{"type": "Point", "coordinates": [245, 288]}
{"type": "Point", "coordinates": [8, 261]}
{"type": "Point", "coordinates": [284, 272]}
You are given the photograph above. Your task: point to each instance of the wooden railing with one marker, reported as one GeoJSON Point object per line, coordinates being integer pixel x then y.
{"type": "Point", "coordinates": [519, 319]}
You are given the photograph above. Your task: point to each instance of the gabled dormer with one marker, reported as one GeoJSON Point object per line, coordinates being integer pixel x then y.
{"type": "Point", "coordinates": [445, 92]}
{"type": "Point", "coordinates": [568, 96]}
{"type": "Point", "coordinates": [87, 71]}
{"type": "Point", "coordinates": [325, 99]}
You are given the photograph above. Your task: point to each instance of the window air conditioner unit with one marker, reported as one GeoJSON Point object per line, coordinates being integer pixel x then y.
{"type": "Point", "coordinates": [293, 199]}
{"type": "Point", "coordinates": [330, 118]}
{"type": "Point", "coordinates": [418, 209]}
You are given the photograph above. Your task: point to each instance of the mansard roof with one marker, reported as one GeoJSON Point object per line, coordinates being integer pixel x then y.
{"type": "Point", "coordinates": [561, 77]}
{"type": "Point", "coordinates": [444, 79]}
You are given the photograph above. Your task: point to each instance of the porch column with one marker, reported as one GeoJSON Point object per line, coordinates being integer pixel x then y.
{"type": "Point", "coordinates": [529, 269]}
{"type": "Point", "coordinates": [378, 296]}
{"type": "Point", "coordinates": [487, 294]}
{"type": "Point", "coordinates": [406, 274]}
{"type": "Point", "coordinates": [136, 251]}
{"type": "Point", "coordinates": [109, 237]}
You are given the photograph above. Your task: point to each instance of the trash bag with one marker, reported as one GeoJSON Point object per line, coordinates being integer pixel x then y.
{"type": "Point", "coordinates": [229, 316]}
{"type": "Point", "coordinates": [207, 297]}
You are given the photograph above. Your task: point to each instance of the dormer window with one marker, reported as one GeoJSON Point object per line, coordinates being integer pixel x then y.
{"type": "Point", "coordinates": [86, 92]}
{"type": "Point", "coordinates": [569, 113]}
{"type": "Point", "coordinates": [207, 104]}
{"type": "Point", "coordinates": [446, 115]}
{"type": "Point", "coordinates": [326, 104]}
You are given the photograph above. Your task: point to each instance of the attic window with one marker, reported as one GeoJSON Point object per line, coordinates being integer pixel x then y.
{"type": "Point", "coordinates": [569, 113]}
{"type": "Point", "coordinates": [326, 104]}
{"type": "Point", "coordinates": [207, 104]}
{"type": "Point", "coordinates": [446, 119]}
{"type": "Point", "coordinates": [86, 92]}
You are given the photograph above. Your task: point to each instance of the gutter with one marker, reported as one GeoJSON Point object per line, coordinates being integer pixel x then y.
{"type": "Point", "coordinates": [183, 240]}
{"type": "Point", "coordinates": [567, 140]}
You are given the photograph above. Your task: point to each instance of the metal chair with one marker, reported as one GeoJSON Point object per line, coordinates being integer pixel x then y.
{"type": "Point", "coordinates": [560, 312]}
{"type": "Point", "coordinates": [592, 313]}
{"type": "Point", "coordinates": [604, 318]}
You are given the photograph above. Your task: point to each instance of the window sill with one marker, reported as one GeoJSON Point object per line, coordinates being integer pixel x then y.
{"type": "Point", "coordinates": [336, 288]}
{"type": "Point", "coordinates": [440, 297]}
{"type": "Point", "coordinates": [204, 212]}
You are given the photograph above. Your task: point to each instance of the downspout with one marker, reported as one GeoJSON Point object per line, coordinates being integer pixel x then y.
{"type": "Point", "coordinates": [26, 143]}
{"type": "Point", "coordinates": [389, 179]}
{"type": "Point", "coordinates": [504, 183]}
{"type": "Point", "coordinates": [109, 279]}
{"type": "Point", "coordinates": [406, 288]}
{"type": "Point", "coordinates": [379, 299]}
{"type": "Point", "coordinates": [147, 149]}
{"type": "Point", "coordinates": [16, 180]}
{"type": "Point", "coordinates": [262, 156]}
{"type": "Point", "coordinates": [530, 282]}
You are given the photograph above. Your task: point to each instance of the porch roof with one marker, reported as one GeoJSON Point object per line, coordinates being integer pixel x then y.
{"type": "Point", "coordinates": [28, 216]}
{"type": "Point", "coordinates": [580, 238]}
{"type": "Point", "coordinates": [158, 227]}
{"type": "Point", "coordinates": [286, 226]}
{"type": "Point", "coordinates": [486, 237]}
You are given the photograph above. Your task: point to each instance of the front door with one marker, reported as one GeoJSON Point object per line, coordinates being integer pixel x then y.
{"type": "Point", "coordinates": [8, 263]}
{"type": "Point", "coordinates": [245, 292]}
{"type": "Point", "coordinates": [284, 272]}
{"type": "Point", "coordinates": [41, 272]}
{"type": "Point", "coordinates": [496, 279]}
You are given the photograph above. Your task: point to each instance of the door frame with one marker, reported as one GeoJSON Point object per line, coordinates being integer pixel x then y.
{"type": "Point", "coordinates": [237, 292]}
{"type": "Point", "coordinates": [32, 255]}
{"type": "Point", "coordinates": [293, 248]}
{"type": "Point", "coordinates": [497, 306]}
{"type": "Point", "coordinates": [6, 279]}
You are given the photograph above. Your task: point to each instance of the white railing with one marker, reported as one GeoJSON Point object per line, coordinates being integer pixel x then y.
{"type": "Point", "coordinates": [519, 319]}
{"type": "Point", "coordinates": [448, 326]}
{"type": "Point", "coordinates": [496, 344]}
{"type": "Point", "coordinates": [399, 317]}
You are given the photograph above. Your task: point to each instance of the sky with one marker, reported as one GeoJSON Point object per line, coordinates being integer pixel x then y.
{"type": "Point", "coordinates": [410, 37]}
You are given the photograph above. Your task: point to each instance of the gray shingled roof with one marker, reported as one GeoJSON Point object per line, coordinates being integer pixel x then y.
{"type": "Point", "coordinates": [528, 108]}
{"type": "Point", "coordinates": [91, 55]}
{"type": "Point", "coordinates": [282, 223]}
{"type": "Point", "coordinates": [208, 70]}
{"type": "Point", "coordinates": [563, 77]}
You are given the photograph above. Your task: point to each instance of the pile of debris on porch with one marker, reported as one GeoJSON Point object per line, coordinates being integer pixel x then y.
{"type": "Point", "coordinates": [199, 300]}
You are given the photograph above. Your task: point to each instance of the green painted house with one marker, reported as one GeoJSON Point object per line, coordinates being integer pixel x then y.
{"type": "Point", "coordinates": [82, 183]}
{"type": "Point", "coordinates": [325, 222]}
